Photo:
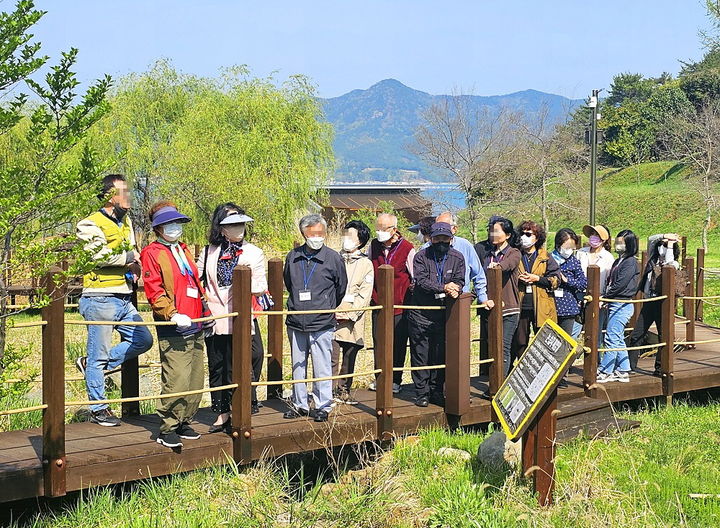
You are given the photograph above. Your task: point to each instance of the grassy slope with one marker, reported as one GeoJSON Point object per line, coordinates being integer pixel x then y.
{"type": "Point", "coordinates": [642, 478]}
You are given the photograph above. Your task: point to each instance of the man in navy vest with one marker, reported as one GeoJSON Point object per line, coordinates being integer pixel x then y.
{"type": "Point", "coordinates": [389, 247]}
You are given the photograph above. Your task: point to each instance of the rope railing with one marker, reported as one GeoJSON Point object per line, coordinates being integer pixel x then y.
{"type": "Point", "coordinates": [701, 342]}
{"type": "Point", "coordinates": [24, 410]}
{"type": "Point", "coordinates": [153, 397]}
{"type": "Point", "coordinates": [314, 312]}
{"type": "Point", "coordinates": [641, 347]}
{"type": "Point", "coordinates": [636, 301]}
{"type": "Point", "coordinates": [149, 323]}
{"type": "Point", "coordinates": [710, 270]}
{"type": "Point", "coordinates": [416, 307]}
{"type": "Point", "coordinates": [702, 298]}
{"type": "Point", "coordinates": [27, 325]}
{"type": "Point", "coordinates": [482, 362]}
{"type": "Point", "coordinates": [313, 380]}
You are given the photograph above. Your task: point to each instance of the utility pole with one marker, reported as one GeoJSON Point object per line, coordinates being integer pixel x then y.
{"type": "Point", "coordinates": [593, 103]}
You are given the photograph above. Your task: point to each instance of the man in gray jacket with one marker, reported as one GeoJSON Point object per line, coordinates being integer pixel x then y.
{"type": "Point", "coordinates": [315, 279]}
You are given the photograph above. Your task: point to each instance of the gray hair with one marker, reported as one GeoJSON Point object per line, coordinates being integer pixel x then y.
{"type": "Point", "coordinates": [453, 217]}
{"type": "Point", "coordinates": [311, 220]}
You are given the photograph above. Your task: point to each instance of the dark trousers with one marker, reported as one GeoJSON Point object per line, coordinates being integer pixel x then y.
{"type": "Point", "coordinates": [567, 323]}
{"type": "Point", "coordinates": [522, 335]}
{"type": "Point", "coordinates": [509, 325]}
{"type": "Point", "coordinates": [427, 347]}
{"type": "Point", "coordinates": [349, 352]}
{"type": "Point", "coordinates": [400, 341]}
{"type": "Point", "coordinates": [219, 353]}
{"type": "Point", "coordinates": [651, 312]}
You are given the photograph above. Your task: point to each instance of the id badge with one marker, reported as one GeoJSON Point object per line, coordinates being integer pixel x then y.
{"type": "Point", "coordinates": [193, 293]}
{"type": "Point", "coordinates": [349, 299]}
{"type": "Point", "coordinates": [304, 295]}
{"type": "Point", "coordinates": [528, 289]}
{"type": "Point", "coordinates": [559, 292]}
{"type": "Point", "coordinates": [439, 295]}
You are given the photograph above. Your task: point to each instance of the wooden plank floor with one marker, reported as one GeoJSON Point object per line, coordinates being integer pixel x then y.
{"type": "Point", "coordinates": [99, 455]}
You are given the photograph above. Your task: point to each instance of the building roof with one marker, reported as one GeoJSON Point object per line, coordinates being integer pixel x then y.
{"type": "Point", "coordinates": [371, 200]}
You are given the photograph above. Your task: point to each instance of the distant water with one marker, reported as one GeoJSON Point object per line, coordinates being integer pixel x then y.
{"type": "Point", "coordinates": [444, 197]}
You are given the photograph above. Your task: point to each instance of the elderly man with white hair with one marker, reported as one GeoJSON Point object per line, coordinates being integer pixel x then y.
{"type": "Point", "coordinates": [315, 279]}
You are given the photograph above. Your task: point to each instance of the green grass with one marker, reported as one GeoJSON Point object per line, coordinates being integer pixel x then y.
{"type": "Point", "coordinates": [641, 478]}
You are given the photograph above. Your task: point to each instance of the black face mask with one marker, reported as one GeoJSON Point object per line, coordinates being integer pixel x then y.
{"type": "Point", "coordinates": [441, 248]}
{"type": "Point", "coordinates": [119, 212]}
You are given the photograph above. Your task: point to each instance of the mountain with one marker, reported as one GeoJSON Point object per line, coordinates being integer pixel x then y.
{"type": "Point", "coordinates": [374, 128]}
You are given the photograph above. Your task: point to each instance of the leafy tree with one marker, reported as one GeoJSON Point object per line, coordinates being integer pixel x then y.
{"type": "Point", "coordinates": [47, 168]}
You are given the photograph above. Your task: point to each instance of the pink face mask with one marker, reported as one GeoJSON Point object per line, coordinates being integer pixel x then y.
{"type": "Point", "coordinates": [595, 241]}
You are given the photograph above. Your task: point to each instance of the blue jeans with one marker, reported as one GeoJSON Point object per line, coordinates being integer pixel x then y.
{"type": "Point", "coordinates": [135, 340]}
{"type": "Point", "coordinates": [319, 345]}
{"type": "Point", "coordinates": [618, 316]}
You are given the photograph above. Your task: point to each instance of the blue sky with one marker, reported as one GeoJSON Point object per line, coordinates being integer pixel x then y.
{"type": "Point", "coordinates": [483, 47]}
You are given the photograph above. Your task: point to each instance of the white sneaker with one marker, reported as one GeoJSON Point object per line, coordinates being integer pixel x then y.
{"type": "Point", "coordinates": [605, 378]}
{"type": "Point", "coordinates": [372, 386]}
{"type": "Point", "coordinates": [396, 388]}
{"type": "Point", "coordinates": [622, 377]}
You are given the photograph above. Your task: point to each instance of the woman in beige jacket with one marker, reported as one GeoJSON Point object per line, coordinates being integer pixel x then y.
{"type": "Point", "coordinates": [351, 325]}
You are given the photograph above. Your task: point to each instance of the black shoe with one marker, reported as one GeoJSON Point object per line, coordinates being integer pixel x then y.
{"type": "Point", "coordinates": [81, 364]}
{"type": "Point", "coordinates": [104, 417]}
{"type": "Point", "coordinates": [657, 373]}
{"type": "Point", "coordinates": [437, 399]}
{"type": "Point", "coordinates": [321, 415]}
{"type": "Point", "coordinates": [295, 413]}
{"type": "Point", "coordinates": [188, 433]}
{"type": "Point", "coordinates": [170, 440]}
{"type": "Point", "coordinates": [422, 401]}
{"type": "Point", "coordinates": [254, 408]}
{"type": "Point", "coordinates": [563, 384]}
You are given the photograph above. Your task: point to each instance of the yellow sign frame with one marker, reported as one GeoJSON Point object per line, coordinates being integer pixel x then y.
{"type": "Point", "coordinates": [540, 400]}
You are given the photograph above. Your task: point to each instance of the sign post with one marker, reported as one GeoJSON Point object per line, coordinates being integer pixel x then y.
{"type": "Point", "coordinates": [526, 401]}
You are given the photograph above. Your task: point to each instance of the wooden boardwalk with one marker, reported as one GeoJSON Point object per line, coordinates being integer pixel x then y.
{"type": "Point", "coordinates": [99, 456]}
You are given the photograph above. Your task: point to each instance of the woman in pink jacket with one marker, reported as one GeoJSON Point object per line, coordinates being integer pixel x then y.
{"type": "Point", "coordinates": [226, 250]}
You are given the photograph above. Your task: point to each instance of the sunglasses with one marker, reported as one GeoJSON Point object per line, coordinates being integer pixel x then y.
{"type": "Point", "coordinates": [528, 233]}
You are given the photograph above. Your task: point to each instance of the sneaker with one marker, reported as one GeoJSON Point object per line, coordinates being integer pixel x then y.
{"type": "Point", "coordinates": [187, 432]}
{"type": "Point", "coordinates": [622, 377]}
{"type": "Point", "coordinates": [396, 388]}
{"type": "Point", "coordinates": [104, 417]}
{"type": "Point", "coordinates": [605, 378]}
{"type": "Point", "coordinates": [170, 439]}
{"type": "Point", "coordinates": [81, 364]}
{"type": "Point", "coordinates": [295, 413]}
{"type": "Point", "coordinates": [422, 401]}
{"type": "Point", "coordinates": [563, 384]}
{"type": "Point", "coordinates": [254, 408]}
{"type": "Point", "coordinates": [349, 400]}
{"type": "Point", "coordinates": [372, 386]}
{"type": "Point", "coordinates": [321, 416]}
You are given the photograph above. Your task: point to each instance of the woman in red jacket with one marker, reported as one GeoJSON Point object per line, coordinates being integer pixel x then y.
{"type": "Point", "coordinates": [173, 289]}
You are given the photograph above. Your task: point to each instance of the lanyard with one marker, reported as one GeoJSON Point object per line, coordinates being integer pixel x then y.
{"type": "Point", "coordinates": [391, 253]}
{"type": "Point", "coordinates": [306, 277]}
{"type": "Point", "coordinates": [440, 268]}
{"type": "Point", "coordinates": [526, 261]}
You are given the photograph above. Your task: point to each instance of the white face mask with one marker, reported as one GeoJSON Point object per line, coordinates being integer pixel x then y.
{"type": "Point", "coordinates": [421, 237]}
{"type": "Point", "coordinates": [662, 250]}
{"type": "Point", "coordinates": [565, 252]}
{"type": "Point", "coordinates": [172, 232]}
{"type": "Point", "coordinates": [315, 243]}
{"type": "Point", "coordinates": [527, 241]}
{"type": "Point", "coordinates": [349, 244]}
{"type": "Point", "coordinates": [234, 232]}
{"type": "Point", "coordinates": [383, 236]}
{"type": "Point", "coordinates": [619, 249]}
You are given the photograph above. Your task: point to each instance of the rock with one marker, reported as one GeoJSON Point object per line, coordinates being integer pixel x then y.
{"type": "Point", "coordinates": [454, 453]}
{"type": "Point", "coordinates": [497, 451]}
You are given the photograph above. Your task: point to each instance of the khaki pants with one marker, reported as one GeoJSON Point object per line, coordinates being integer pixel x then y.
{"type": "Point", "coordinates": [182, 359]}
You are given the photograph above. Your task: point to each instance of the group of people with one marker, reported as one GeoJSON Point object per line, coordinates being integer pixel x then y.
{"type": "Point", "coordinates": [537, 285]}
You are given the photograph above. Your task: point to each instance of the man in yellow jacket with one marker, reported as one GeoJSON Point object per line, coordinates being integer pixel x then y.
{"type": "Point", "coordinates": [108, 235]}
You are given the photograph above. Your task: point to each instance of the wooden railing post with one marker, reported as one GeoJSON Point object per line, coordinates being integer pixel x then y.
{"type": "Point", "coordinates": [53, 386]}
{"type": "Point", "coordinates": [457, 355]}
{"type": "Point", "coordinates": [242, 365]}
{"type": "Point", "coordinates": [639, 295]}
{"type": "Point", "coordinates": [275, 324]}
{"type": "Point", "coordinates": [495, 331]}
{"type": "Point", "coordinates": [130, 377]}
{"type": "Point", "coordinates": [689, 304]}
{"type": "Point", "coordinates": [700, 283]}
{"type": "Point", "coordinates": [384, 351]}
{"type": "Point", "coordinates": [683, 248]}
{"type": "Point", "coordinates": [667, 318]}
{"type": "Point", "coordinates": [592, 330]}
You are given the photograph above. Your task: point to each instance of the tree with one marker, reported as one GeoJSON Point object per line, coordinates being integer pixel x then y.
{"type": "Point", "coordinates": [475, 146]}
{"type": "Point", "coordinates": [694, 138]}
{"type": "Point", "coordinates": [47, 168]}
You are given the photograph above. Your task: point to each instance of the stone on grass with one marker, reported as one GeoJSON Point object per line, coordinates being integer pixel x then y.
{"type": "Point", "coordinates": [451, 452]}
{"type": "Point", "coordinates": [497, 452]}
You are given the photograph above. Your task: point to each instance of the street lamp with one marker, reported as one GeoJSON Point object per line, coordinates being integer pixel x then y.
{"type": "Point", "coordinates": [593, 105]}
